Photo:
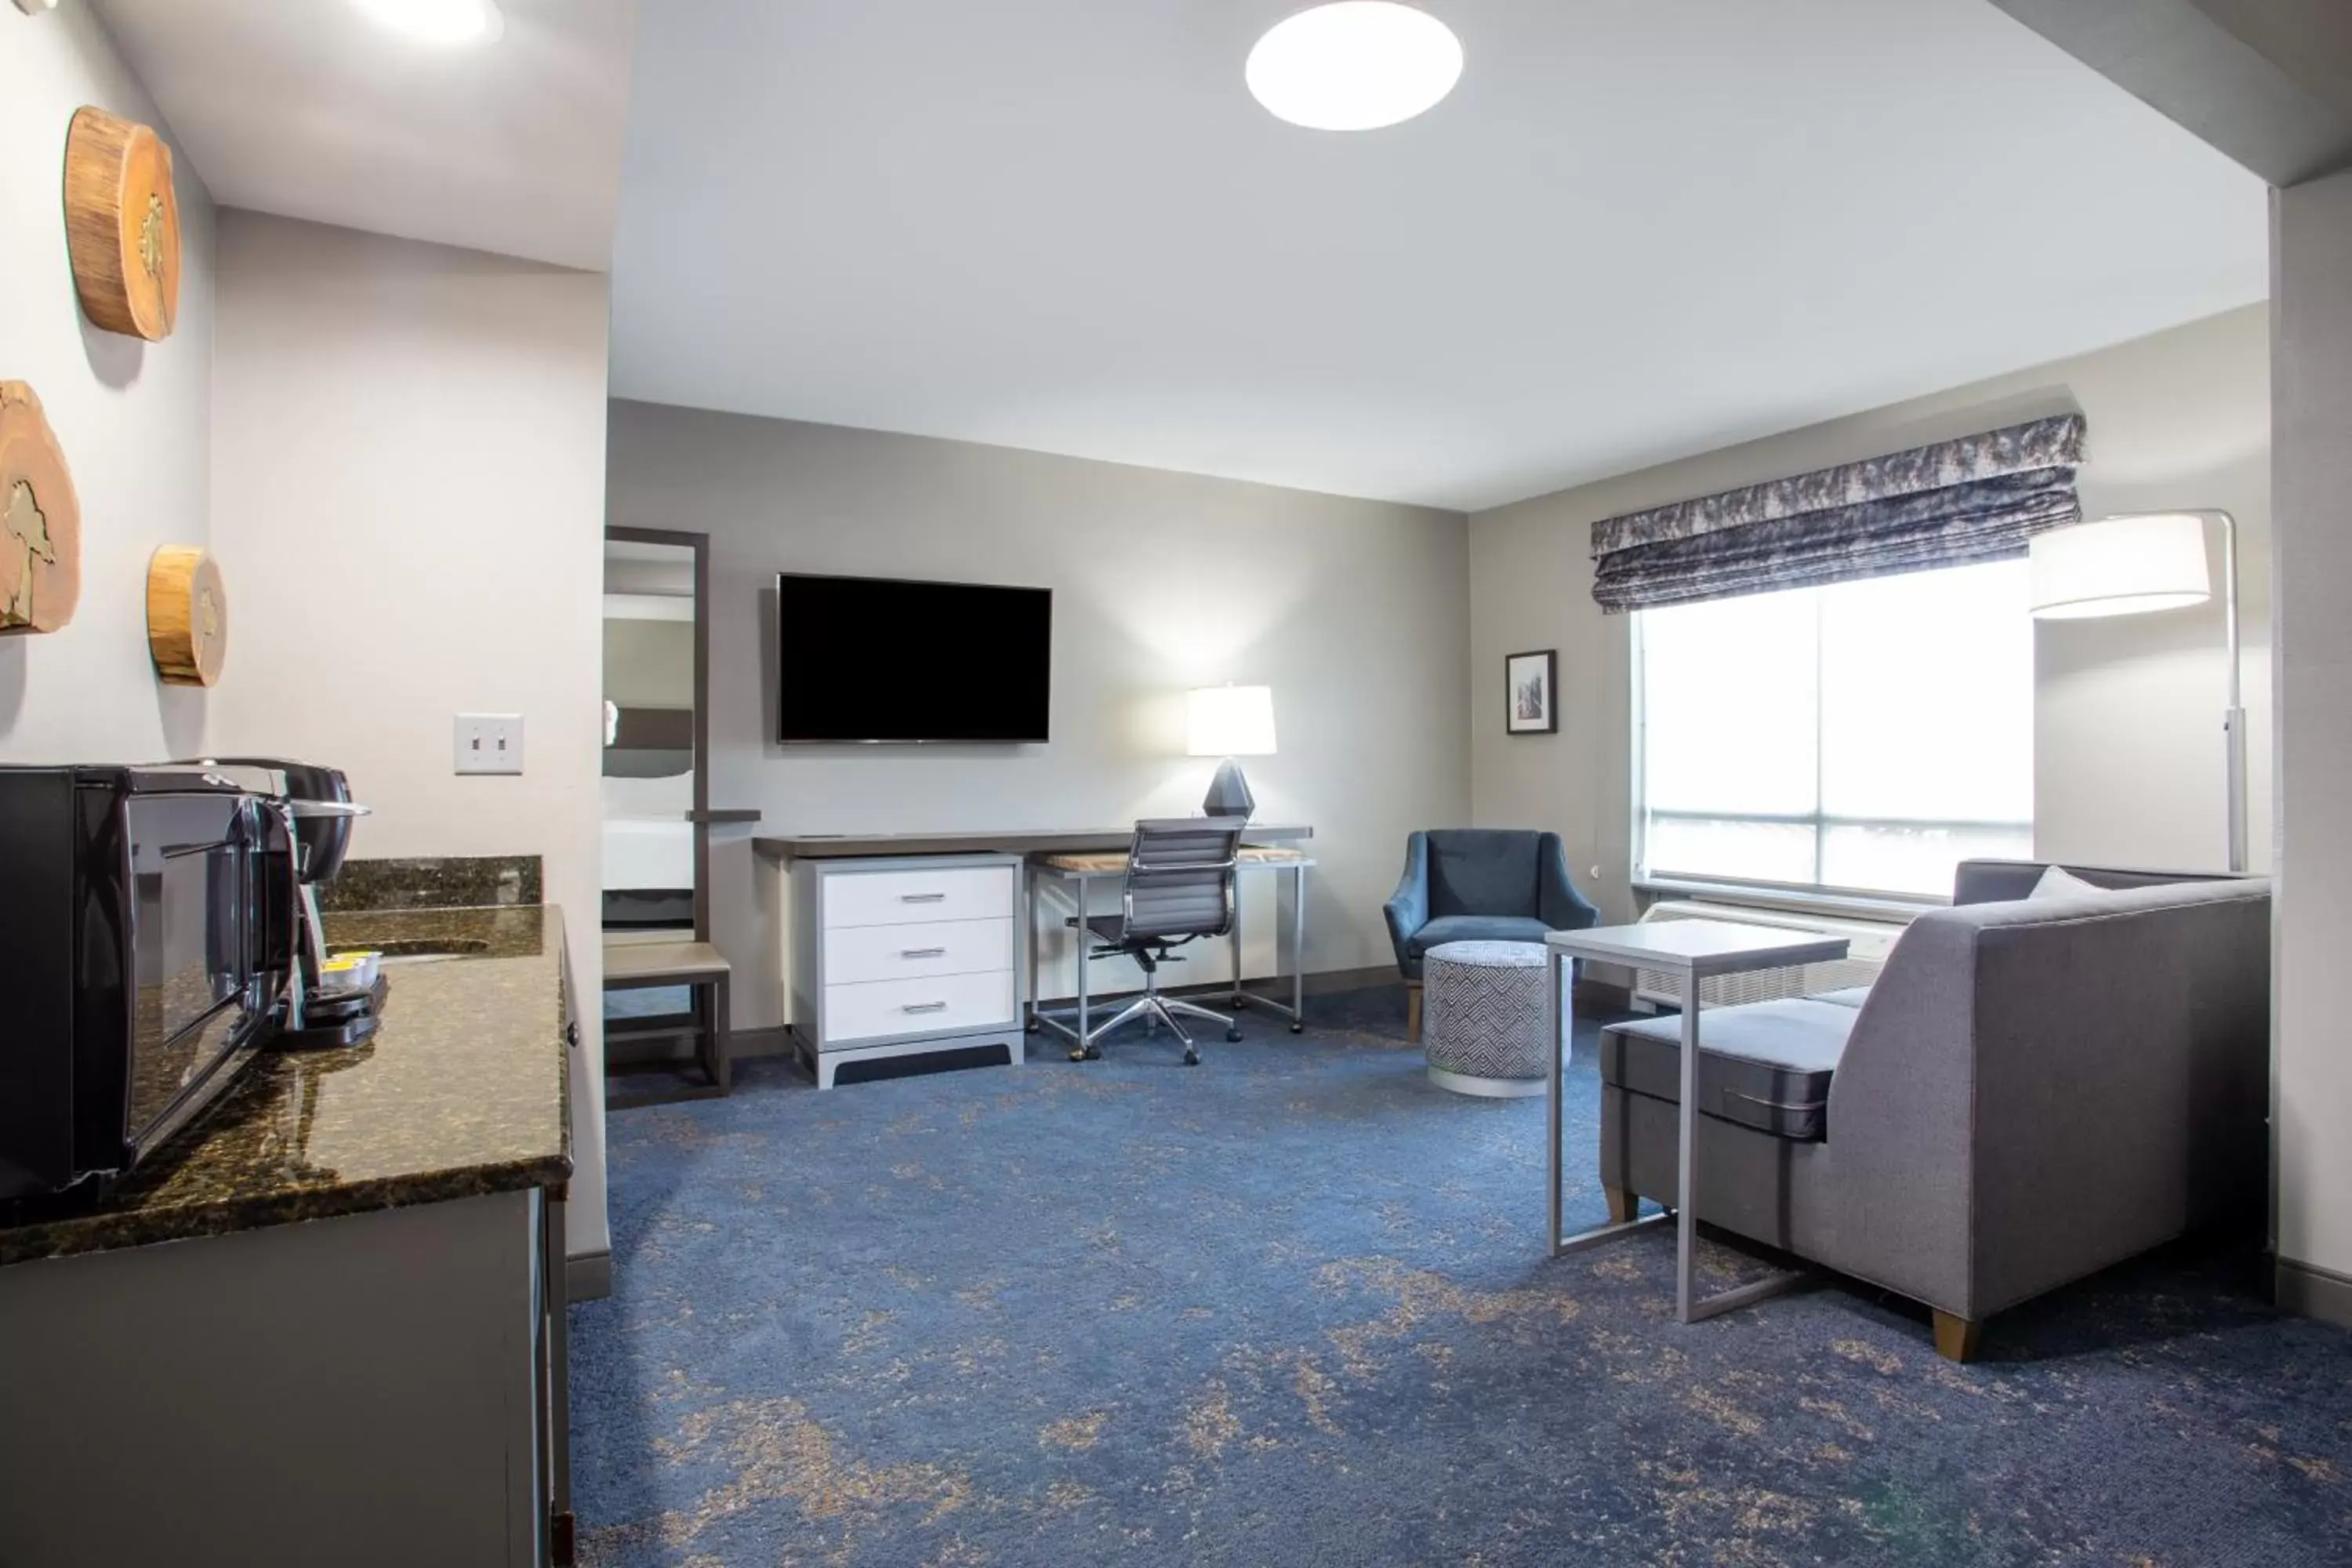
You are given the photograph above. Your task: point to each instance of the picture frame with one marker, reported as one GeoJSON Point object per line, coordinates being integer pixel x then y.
{"type": "Point", "coordinates": [1531, 692]}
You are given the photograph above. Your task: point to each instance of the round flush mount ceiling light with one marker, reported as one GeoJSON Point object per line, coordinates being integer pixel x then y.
{"type": "Point", "coordinates": [1356, 65]}
{"type": "Point", "coordinates": [439, 21]}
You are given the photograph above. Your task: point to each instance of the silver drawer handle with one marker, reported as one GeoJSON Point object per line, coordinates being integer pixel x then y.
{"type": "Point", "coordinates": [924, 1007]}
{"type": "Point", "coordinates": [922, 953]}
{"type": "Point", "coordinates": [922, 898]}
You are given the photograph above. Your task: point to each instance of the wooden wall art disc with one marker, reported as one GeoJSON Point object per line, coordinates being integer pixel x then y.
{"type": "Point", "coordinates": [187, 616]}
{"type": "Point", "coordinates": [122, 225]}
{"type": "Point", "coordinates": [40, 519]}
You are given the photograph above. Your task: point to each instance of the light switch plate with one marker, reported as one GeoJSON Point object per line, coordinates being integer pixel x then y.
{"type": "Point", "coordinates": [489, 742]}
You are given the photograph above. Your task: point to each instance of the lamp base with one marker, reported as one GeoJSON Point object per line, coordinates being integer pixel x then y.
{"type": "Point", "coordinates": [1229, 793]}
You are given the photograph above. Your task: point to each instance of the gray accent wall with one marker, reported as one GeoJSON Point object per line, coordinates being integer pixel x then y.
{"type": "Point", "coordinates": [2312, 249]}
{"type": "Point", "coordinates": [1355, 612]}
{"type": "Point", "coordinates": [2128, 765]}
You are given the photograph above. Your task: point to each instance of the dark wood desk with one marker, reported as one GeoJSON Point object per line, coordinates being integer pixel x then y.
{"type": "Point", "coordinates": [1016, 841]}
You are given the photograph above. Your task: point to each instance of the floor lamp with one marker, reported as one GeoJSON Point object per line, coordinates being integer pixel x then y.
{"type": "Point", "coordinates": [2131, 564]}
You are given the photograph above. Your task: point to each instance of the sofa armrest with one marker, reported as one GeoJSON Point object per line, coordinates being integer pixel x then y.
{"type": "Point", "coordinates": [1901, 1122]}
{"type": "Point", "coordinates": [1408, 907]}
{"type": "Point", "coordinates": [2034, 1091]}
{"type": "Point", "coordinates": [1560, 905]}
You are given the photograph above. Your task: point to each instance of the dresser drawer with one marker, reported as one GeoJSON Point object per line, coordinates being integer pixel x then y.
{"type": "Point", "coordinates": [918, 898]}
{"type": "Point", "coordinates": [942, 1003]}
{"type": "Point", "coordinates": [855, 954]}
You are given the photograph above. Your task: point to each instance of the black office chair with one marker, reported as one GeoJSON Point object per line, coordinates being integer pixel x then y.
{"type": "Point", "coordinates": [1179, 888]}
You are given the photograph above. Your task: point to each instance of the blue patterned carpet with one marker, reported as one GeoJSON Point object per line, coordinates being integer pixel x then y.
{"type": "Point", "coordinates": [1292, 1307]}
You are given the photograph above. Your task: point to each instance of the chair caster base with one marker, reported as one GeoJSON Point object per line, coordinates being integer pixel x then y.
{"type": "Point", "coordinates": [1297, 1028]}
{"type": "Point", "coordinates": [1086, 1053]}
{"type": "Point", "coordinates": [1232, 1036]}
{"type": "Point", "coordinates": [1192, 1058]}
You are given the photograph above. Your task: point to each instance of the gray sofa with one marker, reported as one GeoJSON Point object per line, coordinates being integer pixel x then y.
{"type": "Point", "coordinates": [2030, 1091]}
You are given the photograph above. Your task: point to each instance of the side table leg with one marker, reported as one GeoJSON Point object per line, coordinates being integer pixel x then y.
{"type": "Point", "coordinates": [1686, 1169]}
{"type": "Point", "coordinates": [1552, 1077]}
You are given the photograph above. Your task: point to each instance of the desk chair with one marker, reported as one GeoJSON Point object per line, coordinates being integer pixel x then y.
{"type": "Point", "coordinates": [1179, 888]}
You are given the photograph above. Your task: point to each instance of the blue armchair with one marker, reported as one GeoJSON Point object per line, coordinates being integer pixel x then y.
{"type": "Point", "coordinates": [1479, 884]}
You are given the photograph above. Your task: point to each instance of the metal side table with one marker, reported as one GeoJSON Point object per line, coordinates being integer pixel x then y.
{"type": "Point", "coordinates": [1691, 951]}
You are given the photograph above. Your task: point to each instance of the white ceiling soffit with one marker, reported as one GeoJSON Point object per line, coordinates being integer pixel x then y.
{"type": "Point", "coordinates": [1636, 230]}
{"type": "Point", "coordinates": [311, 108]}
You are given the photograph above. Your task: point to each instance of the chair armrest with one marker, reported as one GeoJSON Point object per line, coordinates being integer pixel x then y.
{"type": "Point", "coordinates": [1558, 904]}
{"type": "Point", "coordinates": [1408, 907]}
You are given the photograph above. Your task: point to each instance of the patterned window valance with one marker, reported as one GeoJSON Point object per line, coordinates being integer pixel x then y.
{"type": "Point", "coordinates": [1978, 498]}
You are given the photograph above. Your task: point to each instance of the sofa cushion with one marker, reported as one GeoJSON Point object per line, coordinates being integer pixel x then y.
{"type": "Point", "coordinates": [1851, 996]}
{"type": "Point", "coordinates": [1766, 1065]}
{"type": "Point", "coordinates": [1475, 928]}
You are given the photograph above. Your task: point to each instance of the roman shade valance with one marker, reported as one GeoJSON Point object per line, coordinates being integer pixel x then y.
{"type": "Point", "coordinates": [1980, 498]}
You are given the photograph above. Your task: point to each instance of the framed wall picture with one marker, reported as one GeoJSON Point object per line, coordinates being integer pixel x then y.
{"type": "Point", "coordinates": [1531, 682]}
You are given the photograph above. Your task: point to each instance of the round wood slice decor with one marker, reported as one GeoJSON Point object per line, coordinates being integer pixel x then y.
{"type": "Point", "coordinates": [187, 616]}
{"type": "Point", "coordinates": [122, 225]}
{"type": "Point", "coordinates": [40, 519]}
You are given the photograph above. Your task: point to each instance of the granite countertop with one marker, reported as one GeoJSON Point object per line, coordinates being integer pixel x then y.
{"type": "Point", "coordinates": [463, 1090]}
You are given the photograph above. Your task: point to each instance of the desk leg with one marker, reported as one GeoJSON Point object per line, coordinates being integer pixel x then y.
{"type": "Point", "coordinates": [1085, 940]}
{"type": "Point", "coordinates": [1029, 942]}
{"type": "Point", "coordinates": [1298, 948]}
{"type": "Point", "coordinates": [1234, 945]}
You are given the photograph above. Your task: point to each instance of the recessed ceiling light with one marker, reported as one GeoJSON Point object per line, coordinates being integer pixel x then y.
{"type": "Point", "coordinates": [439, 21]}
{"type": "Point", "coordinates": [1356, 65]}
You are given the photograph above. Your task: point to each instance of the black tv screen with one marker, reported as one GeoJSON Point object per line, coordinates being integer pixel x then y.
{"type": "Point", "coordinates": [878, 659]}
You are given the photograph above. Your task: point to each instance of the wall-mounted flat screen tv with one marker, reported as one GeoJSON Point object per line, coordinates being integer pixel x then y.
{"type": "Point", "coordinates": [876, 660]}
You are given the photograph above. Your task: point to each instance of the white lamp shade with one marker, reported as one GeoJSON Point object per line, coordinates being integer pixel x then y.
{"type": "Point", "coordinates": [2120, 566]}
{"type": "Point", "coordinates": [1230, 722]}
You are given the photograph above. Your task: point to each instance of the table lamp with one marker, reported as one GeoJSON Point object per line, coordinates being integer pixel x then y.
{"type": "Point", "coordinates": [2134, 563]}
{"type": "Point", "coordinates": [1230, 722]}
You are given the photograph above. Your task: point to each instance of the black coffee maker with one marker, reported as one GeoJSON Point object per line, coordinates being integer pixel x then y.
{"type": "Point", "coordinates": [316, 803]}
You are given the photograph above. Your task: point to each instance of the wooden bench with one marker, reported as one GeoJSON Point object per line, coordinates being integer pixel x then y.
{"type": "Point", "coordinates": [704, 970]}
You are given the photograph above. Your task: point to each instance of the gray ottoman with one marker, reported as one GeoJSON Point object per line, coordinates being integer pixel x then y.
{"type": "Point", "coordinates": [1483, 1018]}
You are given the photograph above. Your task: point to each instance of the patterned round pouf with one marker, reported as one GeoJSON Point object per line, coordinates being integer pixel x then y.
{"type": "Point", "coordinates": [1483, 1017]}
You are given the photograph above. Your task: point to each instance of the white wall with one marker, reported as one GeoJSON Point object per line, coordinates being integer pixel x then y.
{"type": "Point", "coordinates": [2312, 251]}
{"type": "Point", "coordinates": [135, 418]}
{"type": "Point", "coordinates": [408, 494]}
{"type": "Point", "coordinates": [2127, 713]}
{"type": "Point", "coordinates": [1354, 612]}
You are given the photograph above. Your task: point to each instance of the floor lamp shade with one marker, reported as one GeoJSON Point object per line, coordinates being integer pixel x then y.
{"type": "Point", "coordinates": [1230, 722]}
{"type": "Point", "coordinates": [2120, 566]}
{"type": "Point", "coordinates": [2153, 561]}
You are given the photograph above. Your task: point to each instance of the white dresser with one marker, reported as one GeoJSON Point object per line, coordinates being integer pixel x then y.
{"type": "Point", "coordinates": [905, 954]}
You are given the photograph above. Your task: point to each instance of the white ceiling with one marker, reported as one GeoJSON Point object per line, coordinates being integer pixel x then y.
{"type": "Point", "coordinates": [1638, 229]}
{"type": "Point", "coordinates": [309, 108]}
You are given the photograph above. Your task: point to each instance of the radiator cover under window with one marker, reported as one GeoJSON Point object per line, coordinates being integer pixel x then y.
{"type": "Point", "coordinates": [1871, 940]}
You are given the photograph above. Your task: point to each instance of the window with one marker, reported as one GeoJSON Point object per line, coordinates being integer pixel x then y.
{"type": "Point", "coordinates": [1864, 736]}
